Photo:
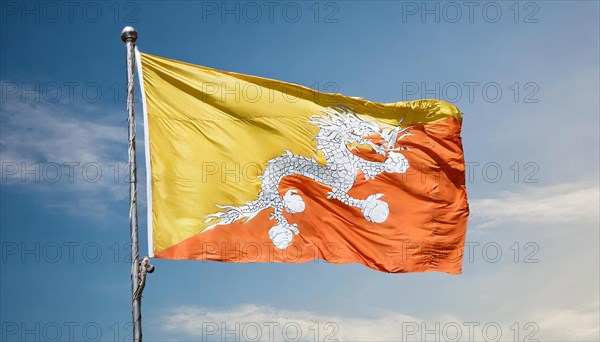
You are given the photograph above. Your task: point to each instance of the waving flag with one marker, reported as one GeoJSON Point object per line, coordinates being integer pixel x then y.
{"type": "Point", "coordinates": [248, 169]}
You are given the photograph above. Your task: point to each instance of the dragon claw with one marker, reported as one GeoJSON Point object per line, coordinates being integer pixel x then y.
{"type": "Point", "coordinates": [396, 163]}
{"type": "Point", "coordinates": [293, 202]}
{"type": "Point", "coordinates": [374, 209]}
{"type": "Point", "coordinates": [282, 234]}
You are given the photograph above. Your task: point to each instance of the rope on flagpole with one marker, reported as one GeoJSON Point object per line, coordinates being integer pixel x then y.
{"type": "Point", "coordinates": [138, 269]}
{"type": "Point", "coordinates": [145, 267]}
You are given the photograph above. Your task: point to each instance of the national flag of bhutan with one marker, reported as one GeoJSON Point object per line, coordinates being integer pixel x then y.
{"type": "Point", "coordinates": [247, 169]}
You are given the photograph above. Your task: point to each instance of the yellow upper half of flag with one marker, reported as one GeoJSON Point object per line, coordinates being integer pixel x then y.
{"type": "Point", "coordinates": [211, 133]}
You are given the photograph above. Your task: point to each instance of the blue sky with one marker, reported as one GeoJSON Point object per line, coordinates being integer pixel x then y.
{"type": "Point", "coordinates": [530, 135]}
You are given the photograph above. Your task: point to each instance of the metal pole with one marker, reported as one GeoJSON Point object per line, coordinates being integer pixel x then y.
{"type": "Point", "coordinates": [129, 36]}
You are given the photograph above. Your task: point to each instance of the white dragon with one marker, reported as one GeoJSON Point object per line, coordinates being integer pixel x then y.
{"type": "Point", "coordinates": [339, 127]}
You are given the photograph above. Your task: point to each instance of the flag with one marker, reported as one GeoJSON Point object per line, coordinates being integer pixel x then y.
{"type": "Point", "coordinates": [248, 169]}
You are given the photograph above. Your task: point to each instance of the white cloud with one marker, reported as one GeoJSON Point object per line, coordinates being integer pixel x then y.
{"type": "Point", "coordinates": [277, 324]}
{"type": "Point", "coordinates": [571, 202]}
{"type": "Point", "coordinates": [262, 323]}
{"type": "Point", "coordinates": [570, 324]}
{"type": "Point", "coordinates": [66, 156]}
{"type": "Point", "coordinates": [56, 133]}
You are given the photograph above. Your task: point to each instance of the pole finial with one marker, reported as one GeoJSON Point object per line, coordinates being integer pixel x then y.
{"type": "Point", "coordinates": [129, 33]}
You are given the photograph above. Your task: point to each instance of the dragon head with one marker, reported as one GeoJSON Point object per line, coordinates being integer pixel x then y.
{"type": "Point", "coordinates": [340, 124]}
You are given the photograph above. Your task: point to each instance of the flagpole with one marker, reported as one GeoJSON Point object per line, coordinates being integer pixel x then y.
{"type": "Point", "coordinates": [129, 36]}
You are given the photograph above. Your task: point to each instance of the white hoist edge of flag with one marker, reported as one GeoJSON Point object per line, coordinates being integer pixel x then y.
{"type": "Point", "coordinates": [138, 62]}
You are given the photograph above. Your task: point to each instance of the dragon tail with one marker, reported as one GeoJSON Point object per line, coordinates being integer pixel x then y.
{"type": "Point", "coordinates": [232, 213]}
